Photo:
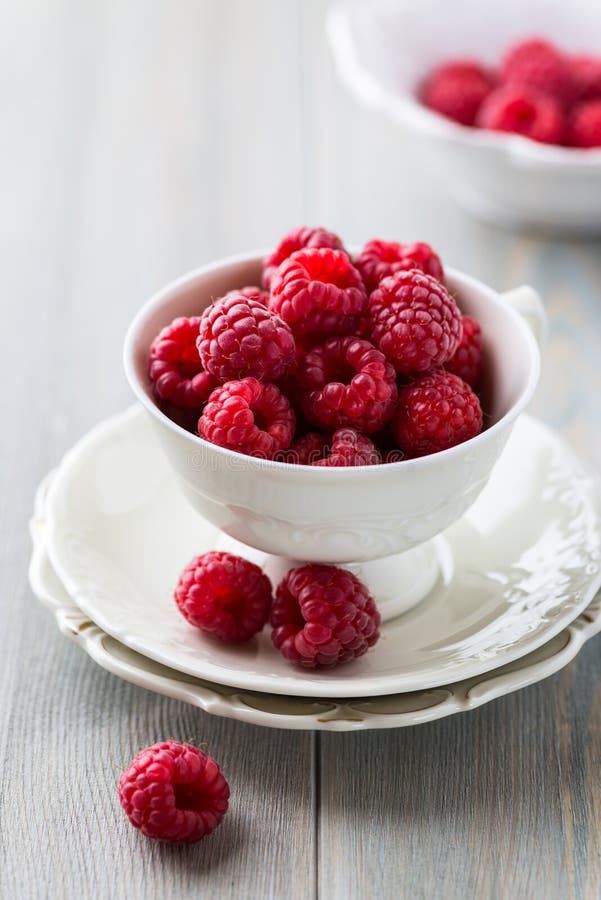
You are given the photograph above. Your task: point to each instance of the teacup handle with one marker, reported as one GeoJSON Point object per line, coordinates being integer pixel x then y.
{"type": "Point", "coordinates": [528, 303]}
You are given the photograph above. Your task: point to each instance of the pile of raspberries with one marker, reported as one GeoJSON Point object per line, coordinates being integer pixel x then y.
{"type": "Point", "coordinates": [538, 92]}
{"type": "Point", "coordinates": [333, 361]}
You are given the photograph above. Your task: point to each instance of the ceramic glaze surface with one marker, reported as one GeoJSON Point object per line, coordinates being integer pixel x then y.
{"type": "Point", "coordinates": [503, 178]}
{"type": "Point", "coordinates": [525, 557]}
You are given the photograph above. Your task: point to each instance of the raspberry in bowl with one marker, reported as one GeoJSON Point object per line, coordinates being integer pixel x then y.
{"type": "Point", "coordinates": [500, 102]}
{"type": "Point", "coordinates": [296, 471]}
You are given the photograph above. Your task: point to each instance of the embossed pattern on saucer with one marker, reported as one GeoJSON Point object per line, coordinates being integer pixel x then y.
{"type": "Point", "coordinates": [525, 563]}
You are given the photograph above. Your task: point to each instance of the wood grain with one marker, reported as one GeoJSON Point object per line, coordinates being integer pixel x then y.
{"type": "Point", "coordinates": [142, 139]}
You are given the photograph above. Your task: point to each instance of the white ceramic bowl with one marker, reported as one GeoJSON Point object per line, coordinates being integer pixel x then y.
{"type": "Point", "coordinates": [384, 48]}
{"type": "Point", "coordinates": [340, 515]}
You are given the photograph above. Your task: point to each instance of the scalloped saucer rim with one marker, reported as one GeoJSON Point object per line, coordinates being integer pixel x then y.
{"type": "Point", "coordinates": [295, 713]}
{"type": "Point", "coordinates": [526, 563]}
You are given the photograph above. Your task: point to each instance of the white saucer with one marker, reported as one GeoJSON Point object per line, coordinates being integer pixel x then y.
{"type": "Point", "coordinates": [524, 562]}
{"type": "Point", "coordinates": [298, 713]}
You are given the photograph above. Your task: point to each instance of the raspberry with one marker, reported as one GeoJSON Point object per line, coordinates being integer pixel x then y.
{"type": "Point", "coordinates": [252, 293]}
{"type": "Point", "coordinates": [436, 412]}
{"type": "Point", "coordinates": [467, 360]}
{"type": "Point", "coordinates": [323, 616]}
{"type": "Point", "coordinates": [298, 239]}
{"type": "Point", "coordinates": [318, 293]}
{"type": "Point", "coordinates": [378, 259]}
{"type": "Point", "coordinates": [225, 595]}
{"type": "Point", "coordinates": [174, 792]}
{"type": "Point", "coordinates": [249, 417]}
{"type": "Point", "coordinates": [240, 338]}
{"type": "Point", "coordinates": [584, 125]}
{"type": "Point", "coordinates": [175, 368]}
{"type": "Point", "coordinates": [586, 75]}
{"type": "Point", "coordinates": [538, 65]}
{"type": "Point", "coordinates": [350, 448]}
{"type": "Point", "coordinates": [521, 110]}
{"type": "Point", "coordinates": [347, 381]}
{"type": "Point", "coordinates": [414, 321]}
{"type": "Point", "coordinates": [306, 450]}
{"type": "Point", "coordinates": [456, 90]}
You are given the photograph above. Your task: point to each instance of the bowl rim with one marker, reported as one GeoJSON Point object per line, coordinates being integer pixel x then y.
{"type": "Point", "coordinates": [317, 472]}
{"type": "Point", "coordinates": [407, 108]}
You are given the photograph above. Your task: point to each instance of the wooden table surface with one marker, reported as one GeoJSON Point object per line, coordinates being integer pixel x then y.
{"type": "Point", "coordinates": [142, 138]}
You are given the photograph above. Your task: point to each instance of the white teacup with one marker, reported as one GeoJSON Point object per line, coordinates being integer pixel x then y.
{"type": "Point", "coordinates": [345, 515]}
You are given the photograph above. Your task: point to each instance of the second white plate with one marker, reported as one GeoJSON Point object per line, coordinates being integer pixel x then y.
{"type": "Point", "coordinates": [525, 564]}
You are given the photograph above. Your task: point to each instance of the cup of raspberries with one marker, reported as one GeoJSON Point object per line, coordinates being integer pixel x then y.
{"type": "Point", "coordinates": [333, 360]}
{"type": "Point", "coordinates": [332, 404]}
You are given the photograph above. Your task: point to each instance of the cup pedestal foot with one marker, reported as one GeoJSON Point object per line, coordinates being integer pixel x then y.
{"type": "Point", "coordinates": [397, 583]}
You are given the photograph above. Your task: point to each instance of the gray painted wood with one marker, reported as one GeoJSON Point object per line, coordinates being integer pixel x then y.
{"type": "Point", "coordinates": [141, 139]}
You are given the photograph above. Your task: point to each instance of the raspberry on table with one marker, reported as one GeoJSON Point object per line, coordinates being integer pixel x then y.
{"type": "Point", "coordinates": [457, 89]}
{"type": "Point", "coordinates": [379, 259]}
{"type": "Point", "coordinates": [175, 368]}
{"type": "Point", "coordinates": [224, 595]}
{"type": "Point", "coordinates": [350, 448]}
{"type": "Point", "coordinates": [586, 75]}
{"type": "Point", "coordinates": [305, 450]}
{"type": "Point", "coordinates": [323, 616]}
{"type": "Point", "coordinates": [347, 381]}
{"type": "Point", "coordinates": [239, 337]}
{"type": "Point", "coordinates": [538, 65]}
{"type": "Point", "coordinates": [434, 413]}
{"type": "Point", "coordinates": [522, 110]}
{"type": "Point", "coordinates": [249, 417]}
{"type": "Point", "coordinates": [252, 292]}
{"type": "Point", "coordinates": [298, 239]}
{"type": "Point", "coordinates": [415, 322]}
{"type": "Point", "coordinates": [584, 125]}
{"type": "Point", "coordinates": [174, 792]}
{"type": "Point", "coordinates": [467, 360]}
{"type": "Point", "coordinates": [318, 293]}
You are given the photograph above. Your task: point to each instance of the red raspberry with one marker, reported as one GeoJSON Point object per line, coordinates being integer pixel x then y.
{"type": "Point", "coordinates": [347, 381]}
{"type": "Point", "coordinates": [298, 239]}
{"type": "Point", "coordinates": [467, 360]}
{"type": "Point", "coordinates": [457, 89]}
{"type": "Point", "coordinates": [522, 110]}
{"type": "Point", "coordinates": [240, 338]}
{"type": "Point", "coordinates": [174, 792]}
{"type": "Point", "coordinates": [378, 259]}
{"type": "Point", "coordinates": [350, 448]}
{"type": "Point", "coordinates": [252, 293]}
{"type": "Point", "coordinates": [586, 74]}
{"type": "Point", "coordinates": [249, 417]}
{"type": "Point", "coordinates": [414, 321]}
{"type": "Point", "coordinates": [538, 65]}
{"type": "Point", "coordinates": [225, 595]}
{"type": "Point", "coordinates": [175, 368]}
{"type": "Point", "coordinates": [584, 125]}
{"type": "Point", "coordinates": [318, 293]}
{"type": "Point", "coordinates": [305, 450]}
{"type": "Point", "coordinates": [436, 412]}
{"type": "Point", "coordinates": [323, 616]}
